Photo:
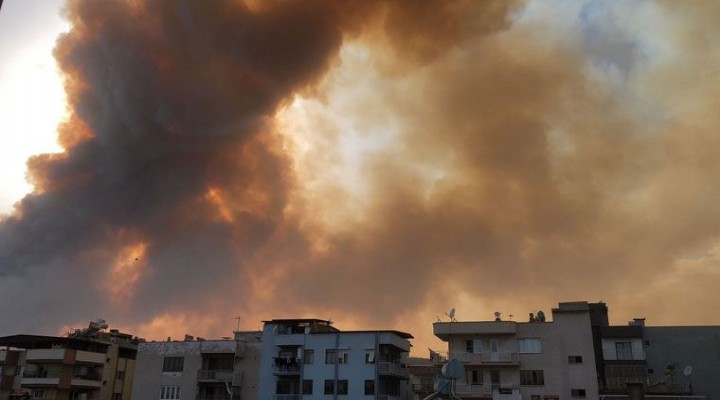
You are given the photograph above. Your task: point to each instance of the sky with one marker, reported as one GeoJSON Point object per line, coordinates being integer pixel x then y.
{"type": "Point", "coordinates": [170, 165]}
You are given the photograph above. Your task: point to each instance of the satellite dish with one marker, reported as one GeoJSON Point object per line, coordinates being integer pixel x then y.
{"type": "Point", "coordinates": [451, 314]}
{"type": "Point", "coordinates": [688, 370]}
{"type": "Point", "coordinates": [454, 369]}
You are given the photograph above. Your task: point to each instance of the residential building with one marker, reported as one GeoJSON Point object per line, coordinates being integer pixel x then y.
{"type": "Point", "coordinates": [525, 360]}
{"type": "Point", "coordinates": [669, 362]}
{"type": "Point", "coordinates": [11, 361]}
{"type": "Point", "coordinates": [311, 359]}
{"type": "Point", "coordinates": [199, 369]}
{"type": "Point", "coordinates": [423, 374]}
{"type": "Point", "coordinates": [87, 365]}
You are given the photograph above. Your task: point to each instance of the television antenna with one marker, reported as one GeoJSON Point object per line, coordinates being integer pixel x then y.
{"type": "Point", "coordinates": [238, 318]}
{"type": "Point", "coordinates": [451, 314]}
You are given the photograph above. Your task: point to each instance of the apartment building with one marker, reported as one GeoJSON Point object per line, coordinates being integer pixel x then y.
{"type": "Point", "coordinates": [529, 361]}
{"type": "Point", "coordinates": [668, 362]}
{"type": "Point", "coordinates": [199, 369]}
{"type": "Point", "coordinates": [311, 359]}
{"type": "Point", "coordinates": [99, 366]}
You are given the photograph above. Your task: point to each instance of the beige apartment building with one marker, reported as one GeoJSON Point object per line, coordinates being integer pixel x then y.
{"type": "Point", "coordinates": [550, 360]}
{"type": "Point", "coordinates": [96, 367]}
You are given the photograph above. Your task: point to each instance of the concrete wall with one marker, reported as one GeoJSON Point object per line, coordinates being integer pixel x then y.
{"type": "Point", "coordinates": [698, 346]}
{"type": "Point", "coordinates": [149, 376]}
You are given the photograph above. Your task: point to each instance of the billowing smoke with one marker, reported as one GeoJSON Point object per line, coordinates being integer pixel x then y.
{"type": "Point", "coordinates": [374, 162]}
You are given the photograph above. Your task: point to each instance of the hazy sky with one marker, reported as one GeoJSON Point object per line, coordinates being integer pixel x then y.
{"type": "Point", "coordinates": [372, 162]}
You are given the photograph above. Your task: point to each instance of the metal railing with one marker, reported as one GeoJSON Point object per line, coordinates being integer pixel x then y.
{"type": "Point", "coordinates": [225, 375]}
{"type": "Point", "coordinates": [472, 389]}
{"type": "Point", "coordinates": [390, 368]}
{"type": "Point", "coordinates": [286, 369]}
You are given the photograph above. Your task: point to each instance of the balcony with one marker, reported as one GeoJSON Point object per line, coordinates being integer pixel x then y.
{"type": "Point", "coordinates": [287, 369]}
{"type": "Point", "coordinates": [388, 397]}
{"type": "Point", "coordinates": [444, 330]}
{"type": "Point", "coordinates": [467, 389]}
{"type": "Point", "coordinates": [89, 357]}
{"type": "Point", "coordinates": [215, 375]}
{"type": "Point", "coordinates": [85, 383]}
{"type": "Point", "coordinates": [499, 358]}
{"type": "Point", "coordinates": [287, 397]}
{"type": "Point", "coordinates": [57, 355]}
{"type": "Point", "coordinates": [396, 369]}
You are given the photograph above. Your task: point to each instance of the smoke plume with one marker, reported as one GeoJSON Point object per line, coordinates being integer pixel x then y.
{"type": "Point", "coordinates": [374, 162]}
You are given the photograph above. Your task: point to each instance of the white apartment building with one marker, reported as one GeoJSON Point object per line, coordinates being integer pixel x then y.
{"type": "Point", "coordinates": [529, 361]}
{"type": "Point", "coordinates": [198, 369]}
{"type": "Point", "coordinates": [310, 359]}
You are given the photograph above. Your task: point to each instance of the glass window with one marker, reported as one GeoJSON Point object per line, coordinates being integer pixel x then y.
{"type": "Point", "coordinates": [369, 387]}
{"type": "Point", "coordinates": [307, 386]}
{"type": "Point", "coordinates": [173, 364]}
{"type": "Point", "coordinates": [370, 356]}
{"type": "Point", "coordinates": [474, 376]}
{"type": "Point", "coordinates": [342, 356]}
{"type": "Point", "coordinates": [532, 377]}
{"type": "Point", "coordinates": [575, 359]}
{"type": "Point", "coordinates": [342, 386]}
{"type": "Point", "coordinates": [624, 350]}
{"type": "Point", "coordinates": [170, 393]}
{"type": "Point", "coordinates": [309, 356]}
{"type": "Point", "coordinates": [529, 345]}
{"type": "Point", "coordinates": [329, 386]}
{"type": "Point", "coordinates": [330, 356]}
{"type": "Point", "coordinates": [577, 392]}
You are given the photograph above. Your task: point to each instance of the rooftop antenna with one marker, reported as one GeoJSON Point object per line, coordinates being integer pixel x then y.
{"type": "Point", "coordinates": [238, 318]}
{"type": "Point", "coordinates": [497, 316]}
{"type": "Point", "coordinates": [511, 316]}
{"type": "Point", "coordinates": [451, 314]}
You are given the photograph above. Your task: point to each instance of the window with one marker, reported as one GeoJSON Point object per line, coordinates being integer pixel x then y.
{"type": "Point", "coordinates": [624, 350]}
{"type": "Point", "coordinates": [650, 371]}
{"type": "Point", "coordinates": [532, 377]}
{"type": "Point", "coordinates": [575, 359]}
{"type": "Point", "coordinates": [173, 364]}
{"type": "Point", "coordinates": [37, 393]}
{"type": "Point", "coordinates": [577, 392]}
{"type": "Point", "coordinates": [342, 356]}
{"type": "Point", "coordinates": [473, 346]}
{"type": "Point", "coordinates": [309, 356]}
{"type": "Point", "coordinates": [170, 393]}
{"type": "Point", "coordinates": [329, 386]}
{"type": "Point", "coordinates": [495, 377]}
{"type": "Point", "coordinates": [535, 397]}
{"type": "Point", "coordinates": [474, 376]}
{"type": "Point", "coordinates": [121, 375]}
{"type": "Point", "coordinates": [370, 356]}
{"type": "Point", "coordinates": [646, 342]}
{"type": "Point", "coordinates": [369, 387]}
{"type": "Point", "coordinates": [116, 396]}
{"type": "Point", "coordinates": [529, 345]}
{"type": "Point", "coordinates": [307, 386]}
{"type": "Point", "coordinates": [330, 357]}
{"type": "Point", "coordinates": [342, 386]}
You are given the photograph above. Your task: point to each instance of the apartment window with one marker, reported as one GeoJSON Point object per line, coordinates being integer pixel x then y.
{"type": "Point", "coordinates": [170, 393]}
{"type": "Point", "coordinates": [330, 356]}
{"type": "Point", "coordinates": [575, 359]}
{"type": "Point", "coordinates": [37, 393]}
{"type": "Point", "coordinates": [329, 386]}
{"type": "Point", "coordinates": [474, 376]}
{"type": "Point", "coordinates": [495, 377]}
{"type": "Point", "coordinates": [342, 356]}
{"type": "Point", "coordinates": [535, 397]}
{"type": "Point", "coordinates": [473, 346]}
{"type": "Point", "coordinates": [577, 392]}
{"type": "Point", "coordinates": [173, 364]}
{"type": "Point", "coordinates": [532, 377]}
{"type": "Point", "coordinates": [529, 345]}
{"type": "Point", "coordinates": [121, 375]}
{"type": "Point", "coordinates": [342, 386]}
{"type": "Point", "coordinates": [369, 387]}
{"type": "Point", "coordinates": [370, 356]}
{"type": "Point", "coordinates": [624, 350]}
{"type": "Point", "coordinates": [309, 356]}
{"type": "Point", "coordinates": [116, 396]}
{"type": "Point", "coordinates": [650, 371]}
{"type": "Point", "coordinates": [646, 342]}
{"type": "Point", "coordinates": [307, 386]}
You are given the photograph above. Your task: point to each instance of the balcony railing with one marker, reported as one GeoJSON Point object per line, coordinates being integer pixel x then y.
{"type": "Point", "coordinates": [389, 368]}
{"type": "Point", "coordinates": [286, 369]}
{"type": "Point", "coordinates": [466, 389]}
{"type": "Point", "coordinates": [221, 375]}
{"type": "Point", "coordinates": [488, 358]}
{"type": "Point", "coordinates": [388, 397]}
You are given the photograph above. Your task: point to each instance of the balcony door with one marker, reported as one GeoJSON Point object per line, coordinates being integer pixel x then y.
{"type": "Point", "coordinates": [494, 350]}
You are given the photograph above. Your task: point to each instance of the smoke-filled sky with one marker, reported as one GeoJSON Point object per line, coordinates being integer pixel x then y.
{"type": "Point", "coordinates": [373, 162]}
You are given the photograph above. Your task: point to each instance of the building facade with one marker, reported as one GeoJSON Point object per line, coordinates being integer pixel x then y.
{"type": "Point", "coordinates": [310, 359]}
{"type": "Point", "coordinates": [198, 369]}
{"type": "Point", "coordinates": [528, 361]}
{"type": "Point", "coordinates": [97, 367]}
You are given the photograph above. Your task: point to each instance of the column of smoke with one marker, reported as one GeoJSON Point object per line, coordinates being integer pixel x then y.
{"type": "Point", "coordinates": [173, 161]}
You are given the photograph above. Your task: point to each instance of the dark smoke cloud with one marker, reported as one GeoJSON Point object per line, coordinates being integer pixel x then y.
{"type": "Point", "coordinates": [518, 172]}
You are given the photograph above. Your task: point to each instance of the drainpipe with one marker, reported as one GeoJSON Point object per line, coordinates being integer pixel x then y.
{"type": "Point", "coordinates": [337, 365]}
